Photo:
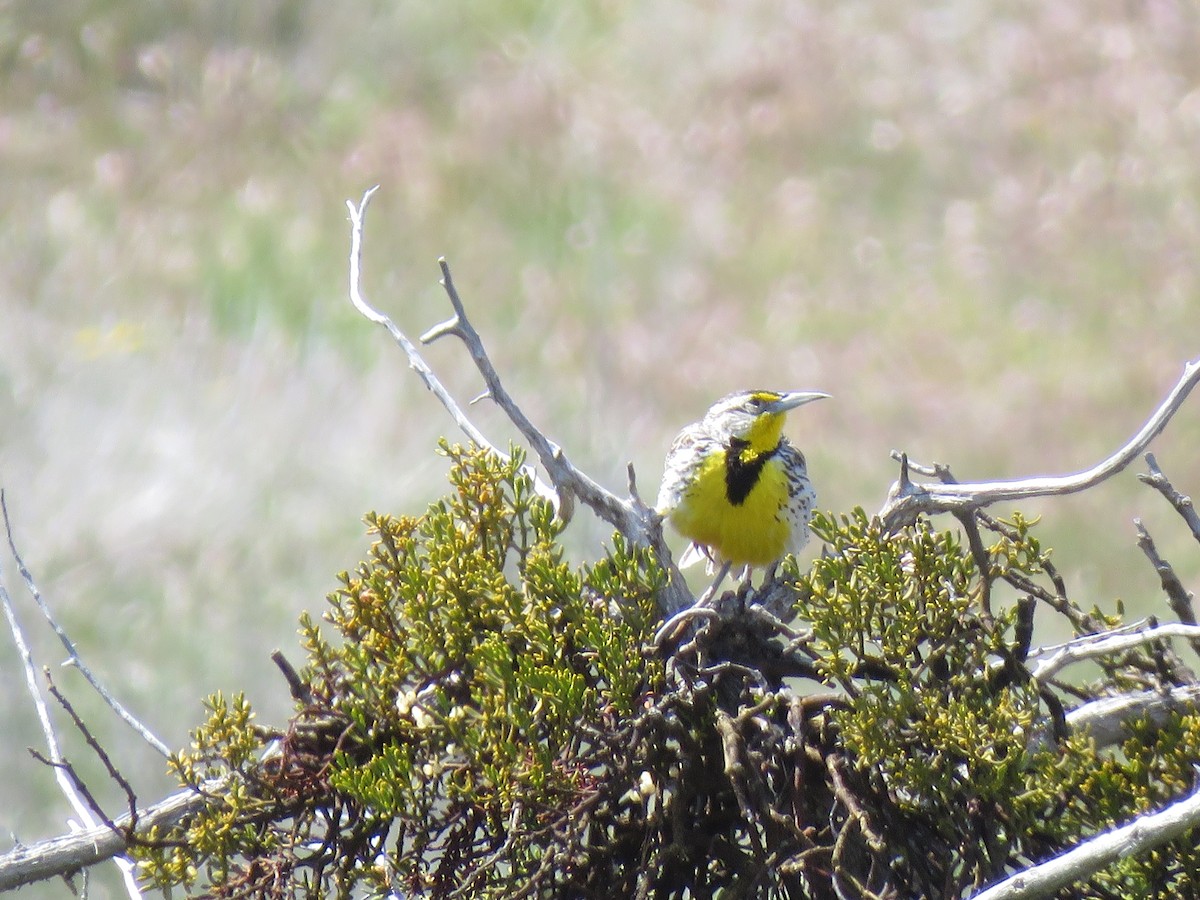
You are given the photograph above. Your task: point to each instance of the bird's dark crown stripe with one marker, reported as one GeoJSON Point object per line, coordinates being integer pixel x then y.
{"type": "Point", "coordinates": [741, 474]}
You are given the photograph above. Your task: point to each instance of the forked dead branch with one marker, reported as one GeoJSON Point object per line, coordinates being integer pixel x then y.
{"type": "Point", "coordinates": [631, 517]}
{"type": "Point", "coordinates": [907, 499]}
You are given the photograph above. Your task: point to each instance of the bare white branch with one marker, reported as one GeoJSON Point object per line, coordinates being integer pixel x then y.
{"type": "Point", "coordinates": [80, 849]}
{"type": "Point", "coordinates": [626, 516]}
{"type": "Point", "coordinates": [1094, 645]}
{"type": "Point", "coordinates": [1144, 833]}
{"type": "Point", "coordinates": [1107, 720]}
{"type": "Point", "coordinates": [906, 499]}
{"type": "Point", "coordinates": [415, 362]}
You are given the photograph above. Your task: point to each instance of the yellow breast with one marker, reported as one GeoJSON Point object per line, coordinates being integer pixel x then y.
{"type": "Point", "coordinates": [755, 532]}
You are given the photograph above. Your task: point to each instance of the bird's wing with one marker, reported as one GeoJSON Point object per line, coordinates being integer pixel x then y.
{"type": "Point", "coordinates": [687, 450]}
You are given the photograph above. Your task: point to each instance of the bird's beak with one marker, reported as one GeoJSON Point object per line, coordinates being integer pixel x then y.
{"type": "Point", "coordinates": [792, 399]}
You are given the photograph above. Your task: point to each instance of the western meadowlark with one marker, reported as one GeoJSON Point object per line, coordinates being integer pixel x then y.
{"type": "Point", "coordinates": [735, 486]}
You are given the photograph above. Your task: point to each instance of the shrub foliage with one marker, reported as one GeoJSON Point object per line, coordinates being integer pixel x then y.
{"type": "Point", "coordinates": [478, 718]}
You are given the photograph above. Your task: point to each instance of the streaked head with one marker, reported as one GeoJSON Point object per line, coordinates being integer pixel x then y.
{"type": "Point", "coordinates": [755, 417]}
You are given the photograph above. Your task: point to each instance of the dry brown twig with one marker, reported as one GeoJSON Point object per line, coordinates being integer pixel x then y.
{"type": "Point", "coordinates": [1182, 503]}
{"type": "Point", "coordinates": [1178, 597]}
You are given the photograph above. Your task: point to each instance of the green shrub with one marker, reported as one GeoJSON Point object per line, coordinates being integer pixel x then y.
{"type": "Point", "coordinates": [478, 718]}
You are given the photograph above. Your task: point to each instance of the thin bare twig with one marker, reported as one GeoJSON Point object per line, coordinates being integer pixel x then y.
{"type": "Point", "coordinates": [738, 773]}
{"type": "Point", "coordinates": [569, 481]}
{"type": "Point", "coordinates": [299, 690]}
{"type": "Point", "coordinates": [78, 784]}
{"type": "Point", "coordinates": [673, 626]}
{"type": "Point", "coordinates": [73, 657]}
{"type": "Point", "coordinates": [1178, 597]}
{"type": "Point", "coordinates": [113, 772]}
{"type": "Point", "coordinates": [65, 784]}
{"type": "Point", "coordinates": [835, 765]}
{"type": "Point", "coordinates": [485, 867]}
{"type": "Point", "coordinates": [1182, 503]}
{"type": "Point", "coordinates": [906, 499]}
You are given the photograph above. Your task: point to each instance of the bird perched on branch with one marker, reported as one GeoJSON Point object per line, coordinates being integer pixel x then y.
{"type": "Point", "coordinates": [735, 486]}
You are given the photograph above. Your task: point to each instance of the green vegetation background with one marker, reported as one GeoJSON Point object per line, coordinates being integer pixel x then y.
{"type": "Point", "coordinates": [976, 225]}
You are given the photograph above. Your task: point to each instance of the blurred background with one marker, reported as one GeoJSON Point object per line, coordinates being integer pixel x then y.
{"type": "Point", "coordinates": [976, 225]}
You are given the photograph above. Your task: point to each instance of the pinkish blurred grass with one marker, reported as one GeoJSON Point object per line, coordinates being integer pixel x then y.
{"type": "Point", "coordinates": [976, 226]}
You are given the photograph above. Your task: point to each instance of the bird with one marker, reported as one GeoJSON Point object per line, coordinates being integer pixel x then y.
{"type": "Point", "coordinates": [736, 487]}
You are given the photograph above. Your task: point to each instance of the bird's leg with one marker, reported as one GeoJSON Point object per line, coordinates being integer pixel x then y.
{"type": "Point", "coordinates": [712, 590]}
{"type": "Point", "coordinates": [743, 591]}
{"type": "Point", "coordinates": [702, 608]}
{"type": "Point", "coordinates": [770, 576]}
